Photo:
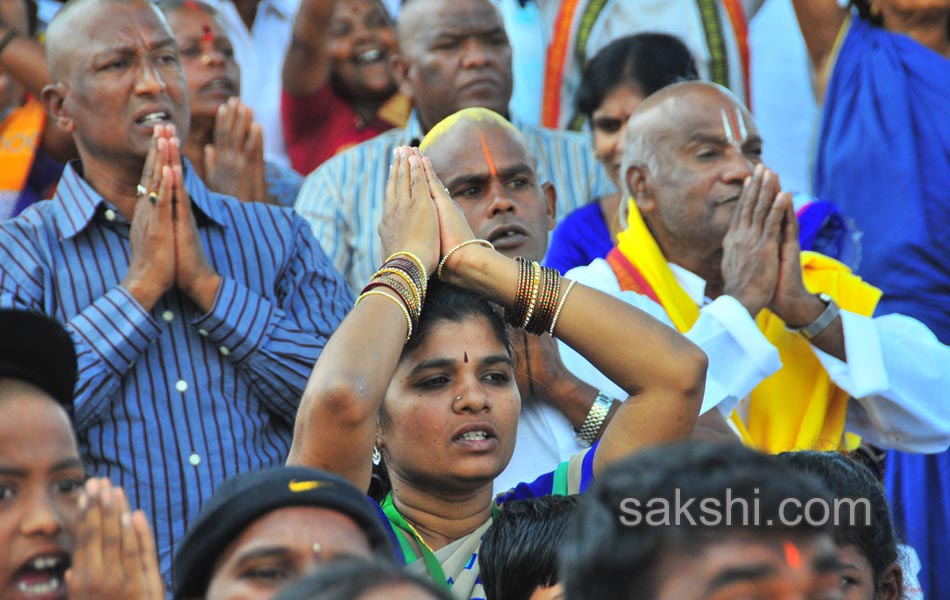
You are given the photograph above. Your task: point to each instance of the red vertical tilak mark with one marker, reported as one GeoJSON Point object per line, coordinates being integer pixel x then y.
{"type": "Point", "coordinates": [488, 158]}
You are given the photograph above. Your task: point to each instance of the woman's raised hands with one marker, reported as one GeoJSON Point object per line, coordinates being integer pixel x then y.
{"type": "Point", "coordinates": [410, 222]}
{"type": "Point", "coordinates": [453, 227]}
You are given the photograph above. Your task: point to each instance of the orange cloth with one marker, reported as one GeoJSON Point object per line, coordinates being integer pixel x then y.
{"type": "Point", "coordinates": [20, 136]}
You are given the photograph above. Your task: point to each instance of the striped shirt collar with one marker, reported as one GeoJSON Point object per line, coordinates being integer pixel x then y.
{"type": "Point", "coordinates": [76, 202]}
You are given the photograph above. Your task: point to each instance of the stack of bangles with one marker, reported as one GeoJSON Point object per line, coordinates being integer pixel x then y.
{"type": "Point", "coordinates": [538, 299]}
{"type": "Point", "coordinates": [402, 279]}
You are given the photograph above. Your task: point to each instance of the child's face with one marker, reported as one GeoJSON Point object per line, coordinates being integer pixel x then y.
{"type": "Point", "coordinates": [41, 476]}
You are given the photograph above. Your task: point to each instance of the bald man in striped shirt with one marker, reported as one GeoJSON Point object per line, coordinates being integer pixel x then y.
{"type": "Point", "coordinates": [196, 317]}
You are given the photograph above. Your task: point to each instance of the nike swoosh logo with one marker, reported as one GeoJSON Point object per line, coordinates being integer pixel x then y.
{"type": "Point", "coordinates": [305, 486]}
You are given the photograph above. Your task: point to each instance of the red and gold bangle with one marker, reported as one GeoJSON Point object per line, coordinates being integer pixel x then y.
{"type": "Point", "coordinates": [522, 293]}
{"type": "Point", "coordinates": [398, 302]}
{"type": "Point", "coordinates": [547, 302]}
{"type": "Point", "coordinates": [412, 257]}
{"type": "Point", "coordinates": [412, 267]}
{"type": "Point", "coordinates": [398, 272]}
{"type": "Point", "coordinates": [399, 286]}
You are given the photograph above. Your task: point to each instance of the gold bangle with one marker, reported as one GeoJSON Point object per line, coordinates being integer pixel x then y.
{"type": "Point", "coordinates": [415, 259]}
{"type": "Point", "coordinates": [560, 305]}
{"type": "Point", "coordinates": [402, 307]}
{"type": "Point", "coordinates": [417, 296]}
{"type": "Point", "coordinates": [535, 289]}
{"type": "Point", "coordinates": [486, 243]}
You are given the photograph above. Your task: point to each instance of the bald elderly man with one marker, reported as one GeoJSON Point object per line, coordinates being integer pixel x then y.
{"type": "Point", "coordinates": [453, 55]}
{"type": "Point", "coordinates": [196, 317]}
{"type": "Point", "coordinates": [491, 172]}
{"type": "Point", "coordinates": [795, 357]}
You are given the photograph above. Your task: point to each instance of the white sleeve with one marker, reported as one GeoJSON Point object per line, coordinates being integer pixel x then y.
{"type": "Point", "coordinates": [899, 376]}
{"type": "Point", "coordinates": [739, 355]}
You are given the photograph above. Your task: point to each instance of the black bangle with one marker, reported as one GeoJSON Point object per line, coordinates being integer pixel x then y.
{"type": "Point", "coordinates": [7, 38]}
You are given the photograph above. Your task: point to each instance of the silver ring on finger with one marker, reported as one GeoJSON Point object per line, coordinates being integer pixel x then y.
{"type": "Point", "coordinates": [140, 191]}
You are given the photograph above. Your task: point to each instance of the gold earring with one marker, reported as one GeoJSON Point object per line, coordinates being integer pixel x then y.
{"type": "Point", "coordinates": [875, 10]}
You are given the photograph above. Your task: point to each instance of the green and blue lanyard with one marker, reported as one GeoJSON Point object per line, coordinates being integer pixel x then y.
{"type": "Point", "coordinates": [403, 530]}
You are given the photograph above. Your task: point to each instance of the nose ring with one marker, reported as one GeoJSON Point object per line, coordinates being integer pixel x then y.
{"type": "Point", "coordinates": [205, 59]}
{"type": "Point", "coordinates": [459, 397]}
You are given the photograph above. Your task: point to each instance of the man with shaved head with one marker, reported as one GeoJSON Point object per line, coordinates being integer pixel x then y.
{"type": "Point", "coordinates": [196, 317]}
{"type": "Point", "coordinates": [489, 169]}
{"type": "Point", "coordinates": [453, 55]}
{"type": "Point", "coordinates": [795, 359]}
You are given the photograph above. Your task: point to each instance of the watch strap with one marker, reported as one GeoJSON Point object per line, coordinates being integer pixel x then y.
{"type": "Point", "coordinates": [823, 321]}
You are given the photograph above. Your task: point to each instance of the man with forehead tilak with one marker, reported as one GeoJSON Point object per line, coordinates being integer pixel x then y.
{"type": "Point", "coordinates": [196, 317]}
{"type": "Point", "coordinates": [795, 358]}
{"type": "Point", "coordinates": [491, 173]}
{"type": "Point", "coordinates": [452, 55]}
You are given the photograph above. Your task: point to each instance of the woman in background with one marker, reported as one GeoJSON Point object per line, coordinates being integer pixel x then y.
{"type": "Point", "coordinates": [224, 144]}
{"type": "Point", "coordinates": [614, 84]}
{"type": "Point", "coordinates": [338, 89]}
{"type": "Point", "coordinates": [883, 77]}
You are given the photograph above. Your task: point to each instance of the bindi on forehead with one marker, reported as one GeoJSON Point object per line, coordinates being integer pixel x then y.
{"type": "Point", "coordinates": [206, 35]}
{"type": "Point", "coordinates": [734, 125]}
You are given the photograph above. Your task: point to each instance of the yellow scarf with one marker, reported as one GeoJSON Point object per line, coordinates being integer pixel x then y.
{"type": "Point", "coordinates": [796, 408]}
{"type": "Point", "coordinates": [20, 135]}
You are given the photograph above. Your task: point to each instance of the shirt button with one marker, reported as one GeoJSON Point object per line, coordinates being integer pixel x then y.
{"type": "Point", "coordinates": [224, 350]}
{"type": "Point", "coordinates": [181, 386]}
{"type": "Point", "coordinates": [110, 214]}
{"type": "Point", "coordinates": [168, 316]}
{"type": "Point", "coordinates": [195, 460]}
{"type": "Point", "coordinates": [203, 332]}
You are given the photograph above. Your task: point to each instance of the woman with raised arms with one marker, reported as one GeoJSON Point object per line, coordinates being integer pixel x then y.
{"type": "Point", "coordinates": [423, 378]}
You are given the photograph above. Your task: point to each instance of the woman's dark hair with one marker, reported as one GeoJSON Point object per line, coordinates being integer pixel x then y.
{"type": "Point", "coordinates": [648, 61]}
{"type": "Point", "coordinates": [444, 303]}
{"type": "Point", "coordinates": [519, 552]}
{"type": "Point", "coordinates": [865, 525]}
{"type": "Point", "coordinates": [350, 578]}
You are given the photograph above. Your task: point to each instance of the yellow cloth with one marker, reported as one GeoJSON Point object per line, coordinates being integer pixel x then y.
{"type": "Point", "coordinates": [798, 407]}
{"type": "Point", "coordinates": [20, 135]}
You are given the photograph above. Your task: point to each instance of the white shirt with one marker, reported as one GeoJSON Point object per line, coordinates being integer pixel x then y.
{"type": "Point", "coordinates": [898, 374]}
{"type": "Point", "coordinates": [260, 54]}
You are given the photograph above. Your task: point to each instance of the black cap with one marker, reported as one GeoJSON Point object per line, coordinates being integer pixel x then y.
{"type": "Point", "coordinates": [36, 349]}
{"type": "Point", "coordinates": [243, 499]}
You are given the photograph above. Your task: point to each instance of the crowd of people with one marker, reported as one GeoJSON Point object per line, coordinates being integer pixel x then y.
{"type": "Point", "coordinates": [294, 305]}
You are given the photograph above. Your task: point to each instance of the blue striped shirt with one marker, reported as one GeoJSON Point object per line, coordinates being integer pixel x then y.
{"type": "Point", "coordinates": [170, 402]}
{"type": "Point", "coordinates": [343, 198]}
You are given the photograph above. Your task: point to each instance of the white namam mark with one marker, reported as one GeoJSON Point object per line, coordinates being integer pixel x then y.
{"type": "Point", "coordinates": [726, 125]}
